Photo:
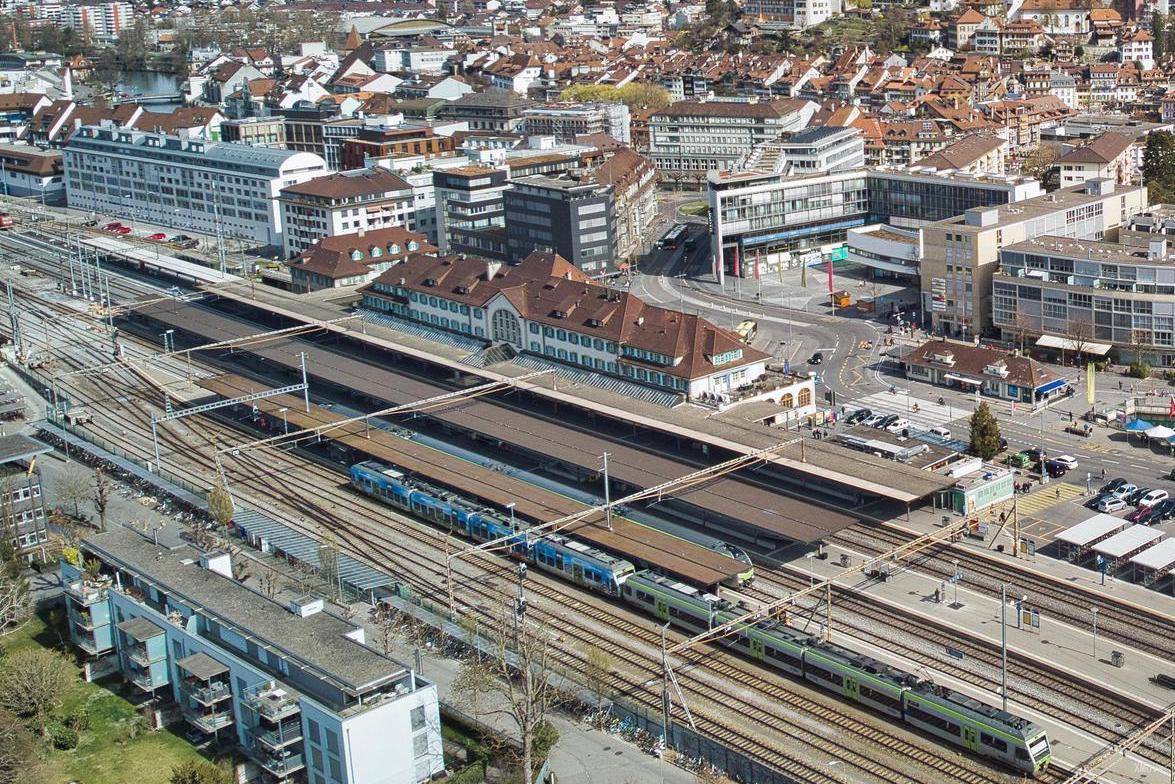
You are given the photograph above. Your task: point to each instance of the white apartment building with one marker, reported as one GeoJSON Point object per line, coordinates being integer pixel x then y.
{"type": "Point", "coordinates": [183, 183]}
{"type": "Point", "coordinates": [103, 21]}
{"type": "Point", "coordinates": [344, 203]}
{"type": "Point", "coordinates": [567, 121]}
{"type": "Point", "coordinates": [794, 14]}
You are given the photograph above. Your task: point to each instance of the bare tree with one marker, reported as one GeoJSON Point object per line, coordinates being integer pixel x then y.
{"type": "Point", "coordinates": [267, 581]}
{"type": "Point", "coordinates": [597, 669]}
{"type": "Point", "coordinates": [102, 488]}
{"type": "Point", "coordinates": [516, 681]}
{"type": "Point", "coordinates": [1022, 325]}
{"type": "Point", "coordinates": [33, 682]}
{"type": "Point", "coordinates": [19, 757]}
{"type": "Point", "coordinates": [388, 621]}
{"type": "Point", "coordinates": [1080, 335]}
{"type": "Point", "coordinates": [73, 486]}
{"type": "Point", "coordinates": [15, 604]}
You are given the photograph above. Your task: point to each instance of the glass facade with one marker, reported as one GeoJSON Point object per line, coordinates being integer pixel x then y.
{"type": "Point", "coordinates": [926, 200]}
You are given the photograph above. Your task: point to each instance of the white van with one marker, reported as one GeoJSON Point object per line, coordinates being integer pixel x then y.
{"type": "Point", "coordinates": [941, 432]}
{"type": "Point", "coordinates": [898, 425]}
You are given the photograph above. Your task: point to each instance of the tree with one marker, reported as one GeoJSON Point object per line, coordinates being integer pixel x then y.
{"type": "Point", "coordinates": [985, 433]}
{"type": "Point", "coordinates": [597, 669]}
{"type": "Point", "coordinates": [198, 772]}
{"type": "Point", "coordinates": [1080, 334]}
{"type": "Point", "coordinates": [15, 601]}
{"type": "Point", "coordinates": [1159, 34]}
{"type": "Point", "coordinates": [634, 95]}
{"type": "Point", "coordinates": [220, 504]}
{"type": "Point", "coordinates": [74, 485]}
{"type": "Point", "coordinates": [1158, 166]}
{"type": "Point", "coordinates": [33, 682]}
{"type": "Point", "coordinates": [514, 684]}
{"type": "Point", "coordinates": [1038, 162]}
{"type": "Point", "coordinates": [102, 488]}
{"type": "Point", "coordinates": [19, 757]}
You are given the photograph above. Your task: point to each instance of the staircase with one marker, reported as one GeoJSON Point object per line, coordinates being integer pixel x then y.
{"type": "Point", "coordinates": [611, 383]}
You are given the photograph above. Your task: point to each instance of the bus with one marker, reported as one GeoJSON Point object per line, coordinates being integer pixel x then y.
{"type": "Point", "coordinates": [673, 237]}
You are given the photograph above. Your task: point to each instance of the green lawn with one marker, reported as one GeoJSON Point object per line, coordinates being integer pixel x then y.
{"type": "Point", "coordinates": [699, 207]}
{"type": "Point", "coordinates": [106, 754]}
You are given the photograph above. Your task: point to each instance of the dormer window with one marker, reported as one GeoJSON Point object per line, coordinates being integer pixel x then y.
{"type": "Point", "coordinates": [376, 251]}
{"type": "Point", "coordinates": [394, 249]}
{"type": "Point", "coordinates": [356, 254]}
{"type": "Point", "coordinates": [413, 245]}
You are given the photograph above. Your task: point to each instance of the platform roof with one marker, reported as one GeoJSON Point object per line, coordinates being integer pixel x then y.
{"type": "Point", "coordinates": [821, 459]}
{"type": "Point", "coordinates": [153, 259]}
{"type": "Point", "coordinates": [1126, 542]}
{"type": "Point", "coordinates": [1161, 557]}
{"type": "Point", "coordinates": [671, 554]}
{"type": "Point", "coordinates": [21, 447]}
{"type": "Point", "coordinates": [751, 504]}
{"type": "Point", "coordinates": [1092, 529]}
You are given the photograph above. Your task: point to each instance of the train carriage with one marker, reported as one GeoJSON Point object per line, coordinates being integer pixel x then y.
{"type": "Point", "coordinates": [857, 677]}
{"type": "Point", "coordinates": [776, 645]}
{"type": "Point", "coordinates": [977, 726]}
{"type": "Point", "coordinates": [581, 563]}
{"type": "Point", "coordinates": [682, 605]}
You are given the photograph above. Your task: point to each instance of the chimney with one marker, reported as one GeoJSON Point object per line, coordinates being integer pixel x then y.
{"type": "Point", "coordinates": [362, 231]}
{"type": "Point", "coordinates": [492, 268]}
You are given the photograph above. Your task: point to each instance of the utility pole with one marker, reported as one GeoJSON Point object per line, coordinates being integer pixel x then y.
{"type": "Point", "coordinates": [1004, 643]}
{"type": "Point", "coordinates": [665, 705]}
{"type": "Point", "coordinates": [1094, 611]}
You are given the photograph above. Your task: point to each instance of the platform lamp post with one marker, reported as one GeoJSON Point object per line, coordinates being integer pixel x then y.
{"type": "Point", "coordinates": [510, 506]}
{"type": "Point", "coordinates": [665, 704]}
{"type": "Point", "coordinates": [1093, 611]}
{"type": "Point", "coordinates": [607, 495]}
{"type": "Point", "coordinates": [285, 421]}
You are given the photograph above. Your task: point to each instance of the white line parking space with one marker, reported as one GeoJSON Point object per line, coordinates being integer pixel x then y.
{"type": "Point", "coordinates": [929, 413]}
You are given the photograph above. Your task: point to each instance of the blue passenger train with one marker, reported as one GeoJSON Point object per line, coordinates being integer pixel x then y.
{"type": "Point", "coordinates": [951, 716]}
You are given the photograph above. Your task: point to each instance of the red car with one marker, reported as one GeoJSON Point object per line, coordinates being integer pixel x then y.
{"type": "Point", "coordinates": [157, 236]}
{"type": "Point", "coordinates": [113, 226]}
{"type": "Point", "coordinates": [123, 230]}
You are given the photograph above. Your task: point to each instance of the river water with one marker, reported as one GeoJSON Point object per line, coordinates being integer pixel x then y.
{"type": "Point", "coordinates": [151, 83]}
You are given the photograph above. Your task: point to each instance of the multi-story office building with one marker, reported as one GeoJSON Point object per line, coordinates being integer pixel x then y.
{"type": "Point", "coordinates": [547, 307]}
{"type": "Point", "coordinates": [821, 150]}
{"type": "Point", "coordinates": [634, 186]}
{"type": "Point", "coordinates": [567, 121]}
{"type": "Point", "coordinates": [488, 110]}
{"type": "Point", "coordinates": [694, 137]}
{"type": "Point", "coordinates": [760, 221]}
{"type": "Point", "coordinates": [210, 187]}
{"type": "Point", "coordinates": [26, 170]}
{"type": "Point", "coordinates": [471, 211]}
{"type": "Point", "coordinates": [961, 254]}
{"type": "Point", "coordinates": [293, 688]}
{"type": "Point", "coordinates": [343, 203]}
{"type": "Point", "coordinates": [574, 218]}
{"type": "Point", "coordinates": [1088, 296]}
{"type": "Point", "coordinates": [793, 14]}
{"type": "Point", "coordinates": [766, 219]}
{"type": "Point", "coordinates": [22, 513]}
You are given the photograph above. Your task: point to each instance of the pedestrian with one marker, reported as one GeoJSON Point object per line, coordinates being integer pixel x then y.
{"type": "Point", "coordinates": [1058, 492]}
{"type": "Point", "coordinates": [1119, 385]}
{"type": "Point", "coordinates": [1103, 472]}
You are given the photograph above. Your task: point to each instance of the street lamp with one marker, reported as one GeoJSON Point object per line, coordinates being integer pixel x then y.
{"type": "Point", "coordinates": [285, 421]}
{"type": "Point", "coordinates": [510, 506]}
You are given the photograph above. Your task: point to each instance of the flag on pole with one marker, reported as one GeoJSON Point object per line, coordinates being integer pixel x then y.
{"type": "Point", "coordinates": [1090, 383]}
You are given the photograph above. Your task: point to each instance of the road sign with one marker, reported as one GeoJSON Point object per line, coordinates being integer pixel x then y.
{"type": "Point", "coordinates": [955, 653]}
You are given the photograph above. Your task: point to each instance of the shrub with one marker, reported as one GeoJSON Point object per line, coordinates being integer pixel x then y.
{"type": "Point", "coordinates": [61, 736]}
{"type": "Point", "coordinates": [1139, 370]}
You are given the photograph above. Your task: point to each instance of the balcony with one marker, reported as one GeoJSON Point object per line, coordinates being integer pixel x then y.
{"type": "Point", "coordinates": [274, 738]}
{"type": "Point", "coordinates": [274, 703]}
{"type": "Point", "coordinates": [280, 765]}
{"type": "Point", "coordinates": [86, 593]}
{"type": "Point", "coordinates": [144, 681]}
{"type": "Point", "coordinates": [207, 693]}
{"type": "Point", "coordinates": [89, 644]}
{"type": "Point", "coordinates": [140, 655]}
{"type": "Point", "coordinates": [207, 721]}
{"type": "Point", "coordinates": [84, 620]}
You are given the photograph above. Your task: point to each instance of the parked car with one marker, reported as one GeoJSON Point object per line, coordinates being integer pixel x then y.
{"type": "Point", "coordinates": [157, 236]}
{"type": "Point", "coordinates": [1035, 454]}
{"type": "Point", "coordinates": [1068, 461]}
{"type": "Point", "coordinates": [1097, 499]}
{"type": "Point", "coordinates": [816, 359]}
{"type": "Point", "coordinates": [123, 230]}
{"type": "Point", "coordinates": [1163, 510]}
{"type": "Point", "coordinates": [1142, 515]}
{"type": "Point", "coordinates": [898, 425]}
{"type": "Point", "coordinates": [1112, 485]}
{"type": "Point", "coordinates": [1152, 498]}
{"type": "Point", "coordinates": [873, 421]}
{"type": "Point", "coordinates": [887, 421]}
{"type": "Point", "coordinates": [858, 416]}
{"type": "Point", "coordinates": [184, 242]}
{"type": "Point", "coordinates": [1133, 497]}
{"type": "Point", "coordinates": [1124, 491]}
{"type": "Point", "coordinates": [1111, 505]}
{"type": "Point", "coordinates": [112, 226]}
{"type": "Point", "coordinates": [941, 432]}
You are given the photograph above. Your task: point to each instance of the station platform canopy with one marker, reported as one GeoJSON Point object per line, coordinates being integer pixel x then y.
{"type": "Point", "coordinates": [1068, 344]}
{"type": "Point", "coordinates": [1160, 558]}
{"type": "Point", "coordinates": [1129, 541]}
{"type": "Point", "coordinates": [1092, 530]}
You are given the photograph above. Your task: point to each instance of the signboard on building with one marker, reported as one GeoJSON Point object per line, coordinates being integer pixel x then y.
{"type": "Point", "coordinates": [938, 294]}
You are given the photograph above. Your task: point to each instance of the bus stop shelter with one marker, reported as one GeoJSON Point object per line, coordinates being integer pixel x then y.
{"type": "Point", "coordinates": [1155, 566]}
{"type": "Point", "coordinates": [1075, 542]}
{"type": "Point", "coordinates": [1124, 545]}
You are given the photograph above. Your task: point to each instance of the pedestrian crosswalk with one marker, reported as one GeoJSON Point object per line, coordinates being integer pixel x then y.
{"type": "Point", "coordinates": [929, 413]}
{"type": "Point", "coordinates": [1047, 496]}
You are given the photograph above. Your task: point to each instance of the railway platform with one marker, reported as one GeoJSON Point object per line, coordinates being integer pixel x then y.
{"type": "Point", "coordinates": [1068, 651]}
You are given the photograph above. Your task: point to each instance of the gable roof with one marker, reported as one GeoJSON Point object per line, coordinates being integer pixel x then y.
{"type": "Point", "coordinates": [350, 255]}
{"type": "Point", "coordinates": [1101, 150]}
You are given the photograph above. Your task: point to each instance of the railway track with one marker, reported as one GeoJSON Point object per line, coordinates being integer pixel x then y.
{"type": "Point", "coordinates": [364, 544]}
{"type": "Point", "coordinates": [1136, 626]}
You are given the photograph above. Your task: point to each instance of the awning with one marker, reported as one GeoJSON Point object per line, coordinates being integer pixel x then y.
{"type": "Point", "coordinates": [1161, 432]}
{"type": "Point", "coordinates": [963, 379]}
{"type": "Point", "coordinates": [1138, 425]}
{"type": "Point", "coordinates": [1068, 344]}
{"type": "Point", "coordinates": [1050, 386]}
